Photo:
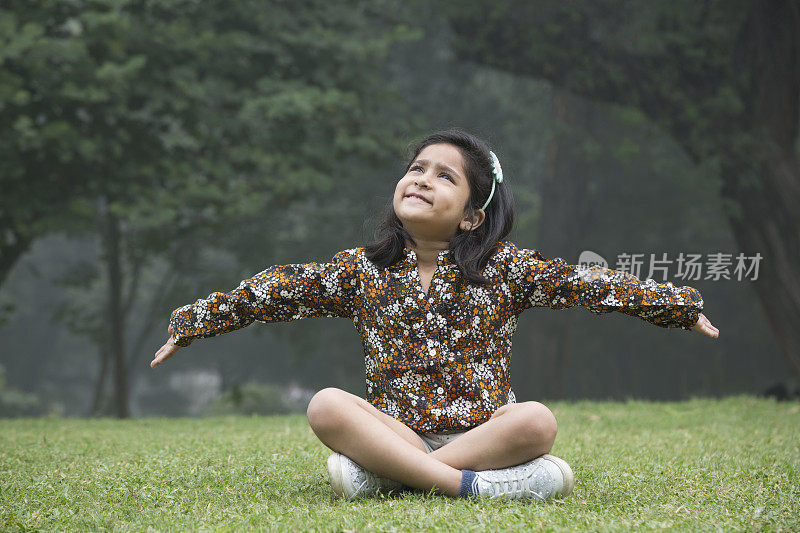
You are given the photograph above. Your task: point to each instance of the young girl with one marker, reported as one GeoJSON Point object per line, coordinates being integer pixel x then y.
{"type": "Point", "coordinates": [435, 299]}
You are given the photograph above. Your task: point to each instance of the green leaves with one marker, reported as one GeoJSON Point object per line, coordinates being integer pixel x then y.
{"type": "Point", "coordinates": [204, 99]}
{"type": "Point", "coordinates": [187, 121]}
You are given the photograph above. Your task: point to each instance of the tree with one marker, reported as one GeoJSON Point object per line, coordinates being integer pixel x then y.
{"type": "Point", "coordinates": [154, 124]}
{"type": "Point", "coordinates": [723, 82]}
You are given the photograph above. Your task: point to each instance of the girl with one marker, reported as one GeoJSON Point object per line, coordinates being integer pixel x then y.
{"type": "Point", "coordinates": [435, 299]}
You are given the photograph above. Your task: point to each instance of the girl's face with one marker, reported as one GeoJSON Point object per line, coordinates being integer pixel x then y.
{"type": "Point", "coordinates": [431, 199]}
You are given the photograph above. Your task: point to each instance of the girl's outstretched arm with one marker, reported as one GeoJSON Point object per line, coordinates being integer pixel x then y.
{"type": "Point", "coordinates": [535, 281]}
{"type": "Point", "coordinates": [279, 293]}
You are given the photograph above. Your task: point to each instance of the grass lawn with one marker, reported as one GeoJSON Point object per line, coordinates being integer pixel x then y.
{"type": "Point", "coordinates": [729, 464]}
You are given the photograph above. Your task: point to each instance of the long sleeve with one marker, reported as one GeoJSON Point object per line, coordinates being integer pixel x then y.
{"type": "Point", "coordinates": [535, 281]}
{"type": "Point", "coordinates": [279, 293]}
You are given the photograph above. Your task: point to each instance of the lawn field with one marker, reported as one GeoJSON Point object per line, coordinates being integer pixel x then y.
{"type": "Point", "coordinates": [731, 464]}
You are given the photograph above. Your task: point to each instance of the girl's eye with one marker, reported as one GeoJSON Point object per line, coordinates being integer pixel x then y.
{"type": "Point", "coordinates": [447, 176]}
{"type": "Point", "coordinates": [415, 168]}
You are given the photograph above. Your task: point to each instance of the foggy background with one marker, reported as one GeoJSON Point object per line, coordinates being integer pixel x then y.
{"type": "Point", "coordinates": [155, 152]}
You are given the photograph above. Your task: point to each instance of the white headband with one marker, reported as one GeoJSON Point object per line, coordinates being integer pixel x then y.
{"type": "Point", "coordinates": [498, 177]}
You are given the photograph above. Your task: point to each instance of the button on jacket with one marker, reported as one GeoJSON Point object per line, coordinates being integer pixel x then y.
{"type": "Point", "coordinates": [436, 361]}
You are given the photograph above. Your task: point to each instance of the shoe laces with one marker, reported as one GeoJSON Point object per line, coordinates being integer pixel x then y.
{"type": "Point", "coordinates": [518, 481]}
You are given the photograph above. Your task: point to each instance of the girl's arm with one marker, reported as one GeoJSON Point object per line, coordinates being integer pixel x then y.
{"type": "Point", "coordinates": [279, 293]}
{"type": "Point", "coordinates": [553, 283]}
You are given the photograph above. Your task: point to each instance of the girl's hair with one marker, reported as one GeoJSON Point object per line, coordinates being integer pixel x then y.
{"type": "Point", "coordinates": [470, 250]}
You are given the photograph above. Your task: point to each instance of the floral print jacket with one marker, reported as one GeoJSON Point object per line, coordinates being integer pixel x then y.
{"type": "Point", "coordinates": [437, 361]}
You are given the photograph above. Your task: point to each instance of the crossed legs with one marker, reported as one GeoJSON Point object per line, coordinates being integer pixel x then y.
{"type": "Point", "coordinates": [348, 424]}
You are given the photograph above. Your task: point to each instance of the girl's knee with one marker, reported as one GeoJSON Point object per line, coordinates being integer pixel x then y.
{"type": "Point", "coordinates": [537, 424]}
{"type": "Point", "coordinates": [324, 408]}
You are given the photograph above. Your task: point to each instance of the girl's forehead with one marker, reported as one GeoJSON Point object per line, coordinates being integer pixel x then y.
{"type": "Point", "coordinates": [443, 154]}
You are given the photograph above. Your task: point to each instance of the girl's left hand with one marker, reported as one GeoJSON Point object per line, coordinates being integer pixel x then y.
{"type": "Point", "coordinates": [704, 326]}
{"type": "Point", "coordinates": [165, 352]}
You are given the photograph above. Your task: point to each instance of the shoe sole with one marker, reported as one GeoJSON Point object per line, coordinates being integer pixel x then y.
{"type": "Point", "coordinates": [335, 474]}
{"type": "Point", "coordinates": [566, 472]}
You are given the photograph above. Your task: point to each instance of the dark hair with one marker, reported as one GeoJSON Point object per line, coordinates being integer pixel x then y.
{"type": "Point", "coordinates": [470, 250]}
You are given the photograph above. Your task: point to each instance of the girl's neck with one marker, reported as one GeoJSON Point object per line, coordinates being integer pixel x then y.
{"type": "Point", "coordinates": [428, 252]}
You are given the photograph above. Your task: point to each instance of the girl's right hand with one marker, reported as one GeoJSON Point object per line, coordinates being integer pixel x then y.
{"type": "Point", "coordinates": [704, 326]}
{"type": "Point", "coordinates": [165, 352]}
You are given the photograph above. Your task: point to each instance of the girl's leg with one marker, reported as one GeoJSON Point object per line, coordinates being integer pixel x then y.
{"type": "Point", "coordinates": [516, 433]}
{"type": "Point", "coordinates": [379, 443]}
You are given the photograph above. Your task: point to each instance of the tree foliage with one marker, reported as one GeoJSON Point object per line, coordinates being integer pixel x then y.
{"type": "Point", "coordinates": [178, 112]}
{"type": "Point", "coordinates": [155, 124]}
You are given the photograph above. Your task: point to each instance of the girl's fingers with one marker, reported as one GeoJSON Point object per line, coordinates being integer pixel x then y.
{"type": "Point", "coordinates": [164, 353]}
{"type": "Point", "coordinates": [161, 356]}
{"type": "Point", "coordinates": [157, 359]}
{"type": "Point", "coordinates": [705, 327]}
{"type": "Point", "coordinates": [711, 327]}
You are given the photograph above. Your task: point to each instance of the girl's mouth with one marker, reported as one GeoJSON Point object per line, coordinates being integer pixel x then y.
{"type": "Point", "coordinates": [418, 197]}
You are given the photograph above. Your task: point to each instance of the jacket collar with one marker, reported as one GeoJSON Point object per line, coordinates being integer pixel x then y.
{"type": "Point", "coordinates": [445, 257]}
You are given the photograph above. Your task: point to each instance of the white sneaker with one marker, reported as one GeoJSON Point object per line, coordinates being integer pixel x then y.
{"type": "Point", "coordinates": [544, 478]}
{"type": "Point", "coordinates": [350, 481]}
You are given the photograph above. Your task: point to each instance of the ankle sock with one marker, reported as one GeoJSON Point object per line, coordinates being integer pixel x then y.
{"type": "Point", "coordinates": [467, 484]}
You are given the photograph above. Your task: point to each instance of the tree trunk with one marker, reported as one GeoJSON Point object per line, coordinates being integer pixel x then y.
{"type": "Point", "coordinates": [115, 313]}
{"type": "Point", "coordinates": [94, 410]}
{"type": "Point", "coordinates": [764, 181]}
{"type": "Point", "coordinates": [762, 227]}
{"type": "Point", "coordinates": [12, 246]}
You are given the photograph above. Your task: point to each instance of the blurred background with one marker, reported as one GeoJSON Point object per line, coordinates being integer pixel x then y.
{"type": "Point", "coordinates": [155, 151]}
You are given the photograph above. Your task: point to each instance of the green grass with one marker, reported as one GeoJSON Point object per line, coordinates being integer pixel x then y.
{"type": "Point", "coordinates": [730, 464]}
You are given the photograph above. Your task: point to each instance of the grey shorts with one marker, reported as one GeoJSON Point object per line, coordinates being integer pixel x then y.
{"type": "Point", "coordinates": [434, 441]}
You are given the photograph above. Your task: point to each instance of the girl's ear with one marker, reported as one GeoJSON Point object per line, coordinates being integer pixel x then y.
{"type": "Point", "coordinates": [471, 223]}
